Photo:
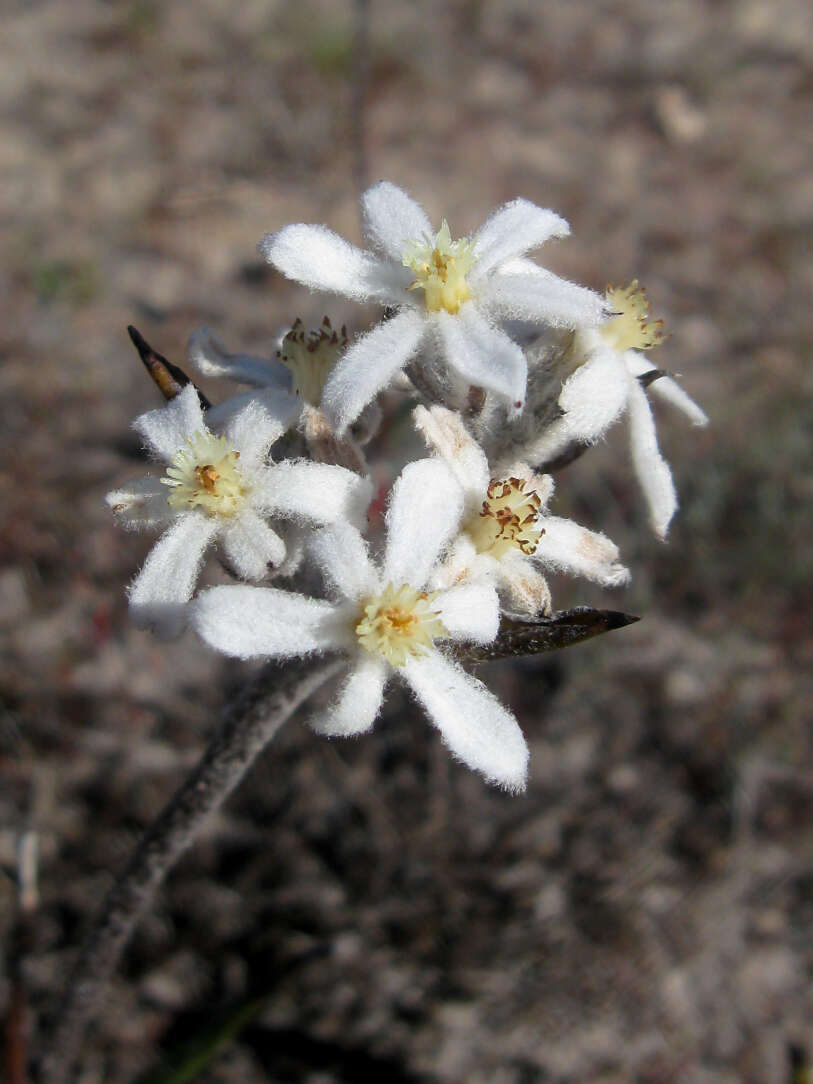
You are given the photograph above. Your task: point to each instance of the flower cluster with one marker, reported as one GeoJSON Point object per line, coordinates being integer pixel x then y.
{"type": "Point", "coordinates": [510, 371]}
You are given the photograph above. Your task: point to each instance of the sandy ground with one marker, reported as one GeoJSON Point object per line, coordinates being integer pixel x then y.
{"type": "Point", "coordinates": [645, 911]}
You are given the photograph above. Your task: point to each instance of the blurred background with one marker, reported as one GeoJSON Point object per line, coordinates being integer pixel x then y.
{"type": "Point", "coordinates": [369, 909]}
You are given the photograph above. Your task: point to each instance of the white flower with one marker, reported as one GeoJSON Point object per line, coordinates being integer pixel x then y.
{"type": "Point", "coordinates": [507, 535]}
{"type": "Point", "coordinates": [222, 487]}
{"type": "Point", "coordinates": [302, 363]}
{"type": "Point", "coordinates": [387, 624]}
{"type": "Point", "coordinates": [451, 294]}
{"type": "Point", "coordinates": [605, 384]}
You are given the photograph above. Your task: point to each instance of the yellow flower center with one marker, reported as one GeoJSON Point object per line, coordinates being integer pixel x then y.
{"type": "Point", "coordinates": [310, 357]}
{"type": "Point", "coordinates": [441, 265]}
{"type": "Point", "coordinates": [631, 328]}
{"type": "Point", "coordinates": [400, 624]}
{"type": "Point", "coordinates": [205, 475]}
{"type": "Point", "coordinates": [509, 519]}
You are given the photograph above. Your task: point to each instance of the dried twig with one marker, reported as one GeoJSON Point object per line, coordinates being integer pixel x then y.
{"type": "Point", "coordinates": [168, 378]}
{"type": "Point", "coordinates": [249, 725]}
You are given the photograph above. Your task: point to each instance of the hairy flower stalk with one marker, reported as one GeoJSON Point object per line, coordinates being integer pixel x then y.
{"type": "Point", "coordinates": [248, 726]}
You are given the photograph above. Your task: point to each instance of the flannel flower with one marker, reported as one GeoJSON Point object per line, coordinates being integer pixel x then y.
{"type": "Point", "coordinates": [451, 295]}
{"type": "Point", "coordinates": [221, 487]}
{"type": "Point", "coordinates": [507, 536]}
{"type": "Point", "coordinates": [301, 365]}
{"type": "Point", "coordinates": [387, 624]}
{"type": "Point", "coordinates": [606, 381]}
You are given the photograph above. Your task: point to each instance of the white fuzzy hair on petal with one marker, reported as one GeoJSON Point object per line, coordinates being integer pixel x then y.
{"type": "Point", "coordinates": [483, 354]}
{"type": "Point", "coordinates": [358, 701]}
{"type": "Point", "coordinates": [262, 622]}
{"type": "Point", "coordinates": [543, 297]}
{"type": "Point", "coordinates": [445, 433]}
{"type": "Point", "coordinates": [169, 427]}
{"type": "Point", "coordinates": [342, 556]}
{"type": "Point", "coordinates": [140, 503]}
{"type": "Point", "coordinates": [209, 356]}
{"type": "Point", "coordinates": [474, 725]}
{"type": "Point", "coordinates": [318, 493]}
{"type": "Point", "coordinates": [567, 547]}
{"type": "Point", "coordinates": [251, 547]}
{"type": "Point", "coordinates": [470, 612]}
{"type": "Point", "coordinates": [651, 468]}
{"type": "Point", "coordinates": [424, 514]}
{"type": "Point", "coordinates": [165, 583]}
{"type": "Point", "coordinates": [392, 218]}
{"type": "Point", "coordinates": [369, 365]}
{"type": "Point", "coordinates": [511, 231]}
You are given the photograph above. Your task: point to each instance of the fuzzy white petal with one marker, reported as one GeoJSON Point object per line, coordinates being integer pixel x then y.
{"type": "Point", "coordinates": [512, 230]}
{"type": "Point", "coordinates": [141, 503]}
{"type": "Point", "coordinates": [651, 468]}
{"type": "Point", "coordinates": [523, 587]}
{"type": "Point", "coordinates": [592, 399]}
{"type": "Point", "coordinates": [253, 430]}
{"type": "Point", "coordinates": [444, 432]}
{"type": "Point", "coordinates": [666, 388]}
{"type": "Point", "coordinates": [250, 546]}
{"type": "Point", "coordinates": [209, 356]}
{"type": "Point", "coordinates": [423, 516]}
{"type": "Point", "coordinates": [358, 701]}
{"type": "Point", "coordinates": [567, 547]}
{"type": "Point", "coordinates": [166, 582]}
{"type": "Point", "coordinates": [369, 365]}
{"type": "Point", "coordinates": [472, 722]}
{"type": "Point", "coordinates": [313, 492]}
{"type": "Point", "coordinates": [483, 354]}
{"type": "Point", "coordinates": [470, 612]}
{"type": "Point", "coordinates": [342, 555]}
{"type": "Point", "coordinates": [169, 427]}
{"type": "Point", "coordinates": [392, 218]}
{"type": "Point", "coordinates": [281, 406]}
{"type": "Point", "coordinates": [317, 257]}
{"type": "Point", "coordinates": [254, 622]}
{"type": "Point", "coordinates": [542, 297]}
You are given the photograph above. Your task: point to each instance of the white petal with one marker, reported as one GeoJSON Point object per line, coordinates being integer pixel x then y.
{"type": "Point", "coordinates": [210, 357]}
{"type": "Point", "coordinates": [251, 622]}
{"type": "Point", "coordinates": [666, 389]}
{"type": "Point", "coordinates": [314, 492]}
{"type": "Point", "coordinates": [166, 582]}
{"type": "Point", "coordinates": [483, 355]}
{"type": "Point", "coordinates": [252, 431]}
{"type": "Point", "coordinates": [317, 257]}
{"type": "Point", "coordinates": [523, 587]}
{"type": "Point", "coordinates": [141, 503]}
{"type": "Point", "coordinates": [542, 297]}
{"type": "Point", "coordinates": [567, 547]}
{"type": "Point", "coordinates": [369, 365]}
{"type": "Point", "coordinates": [671, 392]}
{"type": "Point", "coordinates": [650, 467]}
{"type": "Point", "coordinates": [392, 219]}
{"type": "Point", "coordinates": [470, 612]}
{"type": "Point", "coordinates": [592, 398]}
{"type": "Point", "coordinates": [423, 516]}
{"type": "Point", "coordinates": [167, 429]}
{"type": "Point", "coordinates": [279, 405]}
{"type": "Point", "coordinates": [444, 432]}
{"type": "Point", "coordinates": [472, 722]}
{"type": "Point", "coordinates": [358, 702]}
{"type": "Point", "coordinates": [341, 554]}
{"type": "Point", "coordinates": [514, 229]}
{"type": "Point", "coordinates": [250, 546]}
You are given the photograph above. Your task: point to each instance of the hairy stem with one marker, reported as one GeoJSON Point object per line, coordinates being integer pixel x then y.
{"type": "Point", "coordinates": [249, 724]}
